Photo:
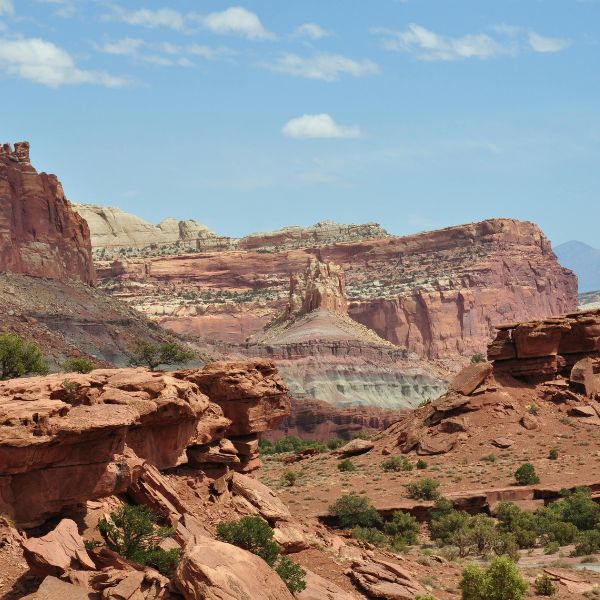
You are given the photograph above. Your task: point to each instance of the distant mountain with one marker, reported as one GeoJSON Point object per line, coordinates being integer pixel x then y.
{"type": "Point", "coordinates": [582, 259]}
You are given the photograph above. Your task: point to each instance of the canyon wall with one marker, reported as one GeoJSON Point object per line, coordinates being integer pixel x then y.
{"type": "Point", "coordinates": [61, 445]}
{"type": "Point", "coordinates": [40, 234]}
{"type": "Point", "coordinates": [438, 294]}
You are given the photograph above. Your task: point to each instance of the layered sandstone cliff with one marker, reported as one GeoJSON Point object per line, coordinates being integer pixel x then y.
{"type": "Point", "coordinates": [64, 441]}
{"type": "Point", "coordinates": [40, 234]}
{"type": "Point", "coordinates": [114, 231]}
{"type": "Point", "coordinates": [437, 294]}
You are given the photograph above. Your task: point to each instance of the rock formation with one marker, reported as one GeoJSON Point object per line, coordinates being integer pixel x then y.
{"type": "Point", "coordinates": [552, 363]}
{"type": "Point", "coordinates": [40, 234]}
{"type": "Point", "coordinates": [114, 231]}
{"type": "Point", "coordinates": [323, 354]}
{"type": "Point", "coordinates": [437, 294]}
{"type": "Point", "coordinates": [67, 440]}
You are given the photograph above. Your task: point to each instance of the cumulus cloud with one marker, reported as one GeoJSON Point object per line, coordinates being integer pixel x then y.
{"type": "Point", "coordinates": [145, 17]}
{"type": "Point", "coordinates": [162, 54]}
{"type": "Point", "coordinates": [326, 67]}
{"type": "Point", "coordinates": [428, 45]}
{"type": "Point", "coordinates": [46, 63]}
{"type": "Point", "coordinates": [311, 30]}
{"type": "Point", "coordinates": [540, 43]}
{"type": "Point", "coordinates": [320, 126]}
{"type": "Point", "coordinates": [6, 7]}
{"type": "Point", "coordinates": [236, 21]}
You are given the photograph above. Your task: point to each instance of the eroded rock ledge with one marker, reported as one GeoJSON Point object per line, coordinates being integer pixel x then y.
{"type": "Point", "coordinates": [67, 440]}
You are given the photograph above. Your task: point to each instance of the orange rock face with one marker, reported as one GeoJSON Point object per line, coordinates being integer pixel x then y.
{"type": "Point", "coordinates": [67, 440]}
{"type": "Point", "coordinates": [438, 294]}
{"type": "Point", "coordinates": [40, 233]}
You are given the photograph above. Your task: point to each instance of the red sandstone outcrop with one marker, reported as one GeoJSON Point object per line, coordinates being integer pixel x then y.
{"type": "Point", "coordinates": [40, 233]}
{"type": "Point", "coordinates": [65, 441]}
{"type": "Point", "coordinates": [552, 363]}
{"type": "Point", "coordinates": [437, 294]}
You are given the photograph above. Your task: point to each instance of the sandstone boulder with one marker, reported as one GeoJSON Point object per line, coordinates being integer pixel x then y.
{"type": "Point", "coordinates": [55, 589]}
{"type": "Point", "coordinates": [384, 579]}
{"type": "Point", "coordinates": [354, 448]}
{"type": "Point", "coordinates": [266, 502]}
{"type": "Point", "coordinates": [58, 551]}
{"type": "Point", "coordinates": [582, 374]}
{"type": "Point", "coordinates": [469, 379]}
{"type": "Point", "coordinates": [213, 570]}
{"type": "Point", "coordinates": [251, 393]}
{"type": "Point", "coordinates": [318, 588]}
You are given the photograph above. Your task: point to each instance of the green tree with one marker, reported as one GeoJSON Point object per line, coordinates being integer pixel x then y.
{"type": "Point", "coordinates": [256, 535]}
{"type": "Point", "coordinates": [354, 511]}
{"type": "Point", "coordinates": [544, 587]}
{"type": "Point", "coordinates": [78, 365]}
{"type": "Point", "coordinates": [426, 489]}
{"type": "Point", "coordinates": [501, 581]}
{"type": "Point", "coordinates": [20, 357]}
{"type": "Point", "coordinates": [147, 354]}
{"type": "Point", "coordinates": [526, 475]}
{"type": "Point", "coordinates": [253, 534]}
{"type": "Point", "coordinates": [403, 528]}
{"type": "Point", "coordinates": [133, 532]}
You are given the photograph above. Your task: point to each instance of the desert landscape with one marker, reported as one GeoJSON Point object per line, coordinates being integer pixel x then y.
{"type": "Point", "coordinates": [299, 301]}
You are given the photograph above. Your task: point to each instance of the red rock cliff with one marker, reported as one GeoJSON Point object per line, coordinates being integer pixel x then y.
{"type": "Point", "coordinates": [40, 234]}
{"type": "Point", "coordinates": [438, 294]}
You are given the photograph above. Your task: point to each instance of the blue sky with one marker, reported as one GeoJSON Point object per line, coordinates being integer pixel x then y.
{"type": "Point", "coordinates": [417, 113]}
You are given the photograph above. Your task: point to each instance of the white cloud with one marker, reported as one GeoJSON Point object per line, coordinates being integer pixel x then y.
{"type": "Point", "coordinates": [326, 67]}
{"type": "Point", "coordinates": [428, 45]}
{"type": "Point", "coordinates": [318, 127]}
{"type": "Point", "coordinates": [236, 21]}
{"type": "Point", "coordinates": [43, 62]}
{"type": "Point", "coordinates": [163, 17]}
{"type": "Point", "coordinates": [6, 7]}
{"type": "Point", "coordinates": [124, 46]}
{"type": "Point", "coordinates": [163, 54]}
{"type": "Point", "coordinates": [64, 8]}
{"type": "Point", "coordinates": [540, 43]}
{"type": "Point", "coordinates": [311, 30]}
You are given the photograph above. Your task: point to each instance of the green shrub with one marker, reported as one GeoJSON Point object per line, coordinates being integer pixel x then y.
{"type": "Point", "coordinates": [359, 435]}
{"type": "Point", "coordinates": [396, 463]}
{"type": "Point", "coordinates": [18, 357]}
{"type": "Point", "coordinates": [444, 526]}
{"type": "Point", "coordinates": [421, 464]}
{"type": "Point", "coordinates": [289, 478]}
{"type": "Point", "coordinates": [354, 511]}
{"type": "Point", "coordinates": [553, 454]}
{"type": "Point", "coordinates": [478, 358]}
{"type": "Point", "coordinates": [578, 508]}
{"type": "Point", "coordinates": [544, 587]}
{"type": "Point", "coordinates": [132, 532]}
{"type": "Point", "coordinates": [426, 597]}
{"type": "Point", "coordinates": [505, 544]}
{"type": "Point", "coordinates": [253, 534]}
{"type": "Point", "coordinates": [403, 527]}
{"type": "Point", "coordinates": [519, 523]}
{"type": "Point", "coordinates": [147, 354]}
{"type": "Point", "coordinates": [426, 489]}
{"type": "Point", "coordinates": [346, 466]}
{"type": "Point", "coordinates": [500, 581]}
{"type": "Point", "coordinates": [526, 475]}
{"type": "Point", "coordinates": [335, 443]}
{"type": "Point", "coordinates": [551, 548]}
{"type": "Point", "coordinates": [289, 443]}
{"type": "Point", "coordinates": [371, 535]}
{"type": "Point", "coordinates": [78, 365]}
{"type": "Point", "coordinates": [292, 574]}
{"type": "Point", "coordinates": [588, 542]}
{"type": "Point", "coordinates": [489, 458]}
